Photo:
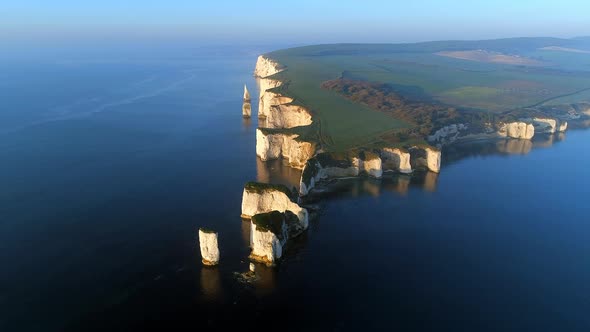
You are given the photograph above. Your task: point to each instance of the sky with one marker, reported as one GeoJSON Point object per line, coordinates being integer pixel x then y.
{"type": "Point", "coordinates": [303, 21]}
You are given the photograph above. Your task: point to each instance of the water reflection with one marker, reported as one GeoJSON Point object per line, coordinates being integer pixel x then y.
{"type": "Point", "coordinates": [400, 184]}
{"type": "Point", "coordinates": [278, 172]}
{"type": "Point", "coordinates": [211, 283]}
{"type": "Point", "coordinates": [504, 147]}
{"type": "Point", "coordinates": [246, 123]}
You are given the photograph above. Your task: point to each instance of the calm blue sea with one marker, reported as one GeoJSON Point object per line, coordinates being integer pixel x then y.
{"type": "Point", "coordinates": [111, 160]}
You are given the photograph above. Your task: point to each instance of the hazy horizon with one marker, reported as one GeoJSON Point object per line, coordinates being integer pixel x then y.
{"type": "Point", "coordinates": [290, 22]}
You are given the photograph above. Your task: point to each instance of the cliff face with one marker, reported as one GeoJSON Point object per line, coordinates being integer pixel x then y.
{"type": "Point", "coordinates": [425, 158]}
{"type": "Point", "coordinates": [276, 145]}
{"type": "Point", "coordinates": [396, 160]}
{"type": "Point", "coordinates": [286, 116]}
{"type": "Point", "coordinates": [520, 130]}
{"type": "Point", "coordinates": [266, 67]}
{"type": "Point", "coordinates": [373, 163]}
{"type": "Point", "coordinates": [269, 232]}
{"type": "Point", "coordinates": [260, 198]}
{"type": "Point", "coordinates": [266, 246]}
{"type": "Point", "coordinates": [275, 108]}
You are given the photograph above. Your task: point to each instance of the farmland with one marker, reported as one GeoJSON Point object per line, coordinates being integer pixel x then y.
{"type": "Point", "coordinates": [419, 72]}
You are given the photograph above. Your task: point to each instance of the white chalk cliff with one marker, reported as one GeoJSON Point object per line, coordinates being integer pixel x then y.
{"type": "Point", "coordinates": [286, 116]}
{"type": "Point", "coordinates": [269, 232]}
{"type": "Point", "coordinates": [266, 67]}
{"type": "Point", "coordinates": [266, 246]}
{"type": "Point", "coordinates": [373, 163]}
{"type": "Point", "coordinates": [209, 247]}
{"type": "Point", "coordinates": [277, 110]}
{"type": "Point", "coordinates": [396, 160]}
{"type": "Point", "coordinates": [447, 134]}
{"type": "Point", "coordinates": [426, 158]}
{"type": "Point", "coordinates": [260, 198]}
{"type": "Point", "coordinates": [370, 163]}
{"type": "Point", "coordinates": [520, 130]}
{"type": "Point", "coordinates": [278, 145]}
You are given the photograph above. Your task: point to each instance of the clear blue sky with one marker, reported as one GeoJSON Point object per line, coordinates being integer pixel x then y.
{"type": "Point", "coordinates": [296, 21]}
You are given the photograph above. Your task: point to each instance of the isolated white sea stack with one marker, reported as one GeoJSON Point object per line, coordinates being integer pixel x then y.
{"type": "Point", "coordinates": [209, 246]}
{"type": "Point", "coordinates": [562, 126]}
{"type": "Point", "coordinates": [246, 94]}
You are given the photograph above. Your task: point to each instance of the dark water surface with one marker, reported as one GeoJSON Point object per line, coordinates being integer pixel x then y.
{"type": "Point", "coordinates": [109, 166]}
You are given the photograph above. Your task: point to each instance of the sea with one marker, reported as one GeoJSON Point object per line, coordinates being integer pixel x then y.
{"type": "Point", "coordinates": [112, 157]}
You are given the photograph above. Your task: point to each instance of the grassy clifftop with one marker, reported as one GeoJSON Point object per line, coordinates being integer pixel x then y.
{"type": "Point", "coordinates": [477, 76]}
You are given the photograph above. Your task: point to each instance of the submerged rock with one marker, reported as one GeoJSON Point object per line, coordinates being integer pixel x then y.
{"type": "Point", "coordinates": [209, 246]}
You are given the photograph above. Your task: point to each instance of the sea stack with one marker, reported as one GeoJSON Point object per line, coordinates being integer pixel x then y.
{"type": "Point", "coordinates": [246, 94]}
{"type": "Point", "coordinates": [209, 247]}
{"type": "Point", "coordinates": [246, 107]}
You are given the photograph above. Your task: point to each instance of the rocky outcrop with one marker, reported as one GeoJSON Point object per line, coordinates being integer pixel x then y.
{"type": "Point", "coordinates": [561, 126]}
{"type": "Point", "coordinates": [448, 134]}
{"type": "Point", "coordinates": [261, 198]}
{"type": "Point", "coordinates": [274, 145]}
{"type": "Point", "coordinates": [425, 158]}
{"type": "Point", "coordinates": [209, 246]}
{"type": "Point", "coordinates": [544, 125]}
{"type": "Point", "coordinates": [269, 233]}
{"type": "Point", "coordinates": [520, 130]}
{"type": "Point", "coordinates": [396, 160]}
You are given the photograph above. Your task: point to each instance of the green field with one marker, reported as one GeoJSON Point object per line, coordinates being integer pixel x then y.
{"type": "Point", "coordinates": [416, 72]}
